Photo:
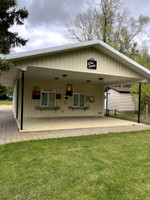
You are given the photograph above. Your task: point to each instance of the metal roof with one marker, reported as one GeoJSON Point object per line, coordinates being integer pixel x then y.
{"type": "Point", "coordinates": [99, 45]}
{"type": "Point", "coordinates": [121, 89]}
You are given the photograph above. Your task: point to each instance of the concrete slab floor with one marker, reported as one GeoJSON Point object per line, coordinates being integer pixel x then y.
{"type": "Point", "coordinates": [44, 124]}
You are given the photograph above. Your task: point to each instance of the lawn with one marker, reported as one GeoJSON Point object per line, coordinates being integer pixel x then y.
{"type": "Point", "coordinates": [5, 102]}
{"type": "Point", "coordinates": [98, 167]}
{"type": "Point", "coordinates": [132, 116]}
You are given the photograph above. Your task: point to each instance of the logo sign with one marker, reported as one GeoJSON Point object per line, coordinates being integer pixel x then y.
{"type": "Point", "coordinates": [91, 63]}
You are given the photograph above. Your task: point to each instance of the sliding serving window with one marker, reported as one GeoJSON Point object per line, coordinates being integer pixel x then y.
{"type": "Point", "coordinates": [48, 98]}
{"type": "Point", "coordinates": [78, 99]}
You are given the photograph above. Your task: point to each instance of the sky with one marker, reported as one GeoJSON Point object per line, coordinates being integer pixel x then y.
{"type": "Point", "coordinates": [45, 25]}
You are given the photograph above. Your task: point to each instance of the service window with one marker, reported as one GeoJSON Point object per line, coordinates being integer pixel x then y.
{"type": "Point", "coordinates": [44, 101]}
{"type": "Point", "coordinates": [48, 98]}
{"type": "Point", "coordinates": [78, 99]}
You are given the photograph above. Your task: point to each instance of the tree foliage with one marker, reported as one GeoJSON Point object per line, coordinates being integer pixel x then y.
{"type": "Point", "coordinates": [110, 22]}
{"type": "Point", "coordinates": [3, 91]}
{"type": "Point", "coordinates": [9, 16]}
{"type": "Point", "coordinates": [5, 65]}
{"type": "Point", "coordinates": [145, 94]}
{"type": "Point", "coordinates": [143, 58]}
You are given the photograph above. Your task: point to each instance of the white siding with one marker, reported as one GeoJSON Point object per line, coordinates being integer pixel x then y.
{"type": "Point", "coordinates": [77, 61]}
{"type": "Point", "coordinates": [113, 100]}
{"type": "Point", "coordinates": [126, 103]}
{"type": "Point", "coordinates": [120, 101]}
{"type": "Point", "coordinates": [30, 110]}
{"type": "Point", "coordinates": [14, 98]}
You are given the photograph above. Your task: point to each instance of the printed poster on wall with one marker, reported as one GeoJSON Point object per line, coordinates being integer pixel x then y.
{"type": "Point", "coordinates": [69, 90]}
{"type": "Point", "coordinates": [36, 91]}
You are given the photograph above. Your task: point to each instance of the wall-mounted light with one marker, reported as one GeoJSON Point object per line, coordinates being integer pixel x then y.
{"type": "Point", "coordinates": [100, 79]}
{"type": "Point", "coordinates": [56, 78]}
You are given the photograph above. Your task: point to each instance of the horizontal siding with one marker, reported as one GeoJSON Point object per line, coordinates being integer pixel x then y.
{"type": "Point", "coordinates": [120, 101]}
{"type": "Point", "coordinates": [126, 103]}
{"type": "Point", "coordinates": [77, 60]}
{"type": "Point", "coordinates": [113, 100]}
{"type": "Point", "coordinates": [89, 89]}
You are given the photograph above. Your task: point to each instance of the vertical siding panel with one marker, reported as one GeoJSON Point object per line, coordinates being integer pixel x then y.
{"type": "Point", "coordinates": [90, 89]}
{"type": "Point", "coordinates": [76, 60]}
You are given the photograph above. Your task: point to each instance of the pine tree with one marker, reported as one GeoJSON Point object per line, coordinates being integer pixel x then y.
{"type": "Point", "coordinates": [9, 16]}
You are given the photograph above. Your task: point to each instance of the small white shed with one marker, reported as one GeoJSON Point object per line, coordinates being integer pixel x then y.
{"type": "Point", "coordinates": [119, 99]}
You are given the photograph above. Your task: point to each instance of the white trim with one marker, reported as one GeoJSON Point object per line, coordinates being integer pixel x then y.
{"type": "Point", "coordinates": [85, 72]}
{"type": "Point", "coordinates": [129, 82]}
{"type": "Point", "coordinates": [23, 69]}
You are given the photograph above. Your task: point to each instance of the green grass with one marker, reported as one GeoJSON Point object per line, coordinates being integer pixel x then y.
{"type": "Point", "coordinates": [103, 167]}
{"type": "Point", "coordinates": [132, 116]}
{"type": "Point", "coordinates": [5, 102]}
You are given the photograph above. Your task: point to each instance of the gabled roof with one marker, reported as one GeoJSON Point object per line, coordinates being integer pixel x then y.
{"type": "Point", "coordinates": [121, 89]}
{"type": "Point", "coordinates": [99, 45]}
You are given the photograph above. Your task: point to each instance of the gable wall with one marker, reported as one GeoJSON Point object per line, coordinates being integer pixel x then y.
{"type": "Point", "coordinates": [77, 61]}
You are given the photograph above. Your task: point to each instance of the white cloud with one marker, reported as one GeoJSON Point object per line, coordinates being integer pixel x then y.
{"type": "Point", "coordinates": [45, 26]}
{"type": "Point", "coordinates": [39, 38]}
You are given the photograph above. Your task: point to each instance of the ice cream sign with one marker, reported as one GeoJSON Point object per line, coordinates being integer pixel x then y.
{"type": "Point", "coordinates": [91, 63]}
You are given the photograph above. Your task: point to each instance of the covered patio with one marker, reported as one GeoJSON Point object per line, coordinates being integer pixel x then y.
{"type": "Point", "coordinates": [65, 123]}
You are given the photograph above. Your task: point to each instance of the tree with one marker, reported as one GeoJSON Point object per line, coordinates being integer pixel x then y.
{"type": "Point", "coordinates": [127, 30]}
{"type": "Point", "coordinates": [109, 22]}
{"type": "Point", "coordinates": [3, 91]}
{"type": "Point", "coordinates": [105, 15]}
{"type": "Point", "coordinates": [143, 58]}
{"type": "Point", "coordinates": [9, 16]}
{"type": "Point", "coordinates": [83, 27]}
{"type": "Point", "coordinates": [145, 94]}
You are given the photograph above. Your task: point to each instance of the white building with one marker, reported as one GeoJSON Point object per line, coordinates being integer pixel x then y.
{"type": "Point", "coordinates": [69, 80]}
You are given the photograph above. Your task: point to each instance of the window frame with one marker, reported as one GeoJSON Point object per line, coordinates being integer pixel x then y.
{"type": "Point", "coordinates": [48, 92]}
{"type": "Point", "coordinates": [78, 106]}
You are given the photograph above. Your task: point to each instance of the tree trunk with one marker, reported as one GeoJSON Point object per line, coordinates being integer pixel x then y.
{"type": "Point", "coordinates": [146, 111]}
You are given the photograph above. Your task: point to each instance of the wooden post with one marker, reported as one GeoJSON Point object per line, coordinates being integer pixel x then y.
{"type": "Point", "coordinates": [146, 111]}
